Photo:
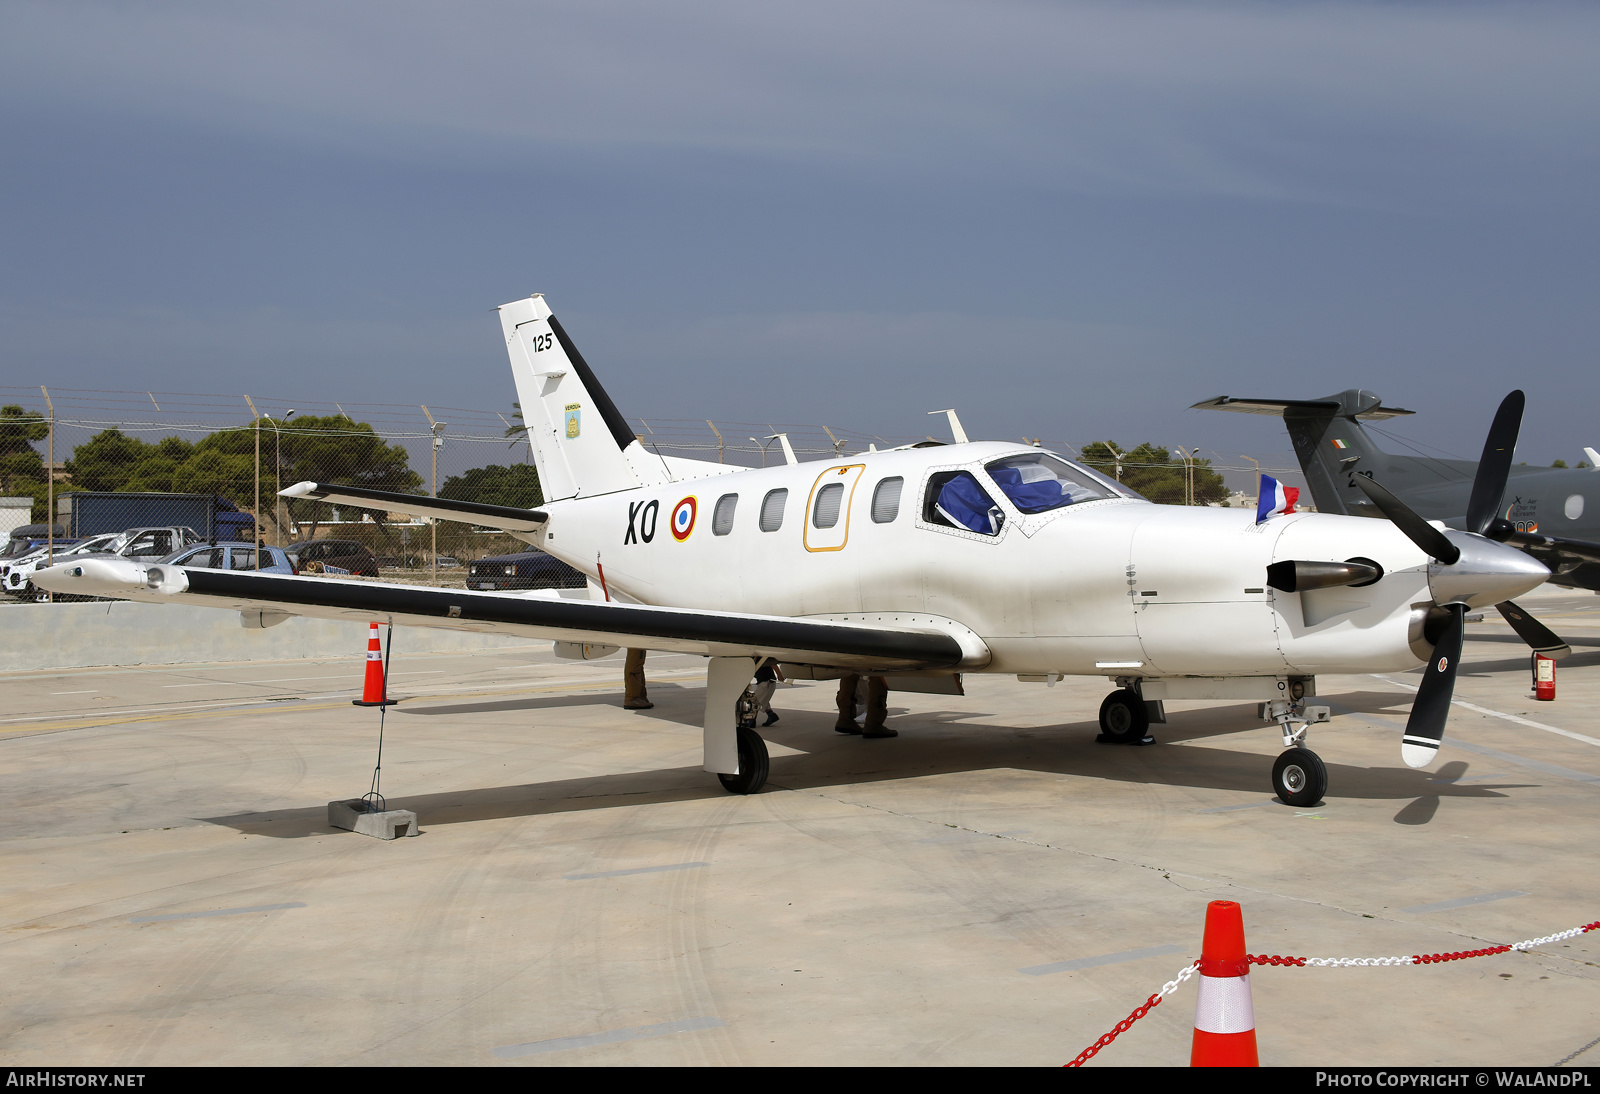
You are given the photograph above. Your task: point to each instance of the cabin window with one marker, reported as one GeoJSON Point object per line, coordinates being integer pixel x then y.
{"type": "Point", "coordinates": [722, 515]}
{"type": "Point", "coordinates": [886, 500]}
{"type": "Point", "coordinates": [955, 500]}
{"type": "Point", "coordinates": [825, 513]}
{"type": "Point", "coordinates": [210, 559]}
{"type": "Point", "coordinates": [240, 558]}
{"type": "Point", "coordinates": [772, 509]}
{"type": "Point", "coordinates": [1039, 482]}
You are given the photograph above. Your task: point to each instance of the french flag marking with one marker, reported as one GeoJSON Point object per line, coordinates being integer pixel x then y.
{"type": "Point", "coordinates": [1274, 498]}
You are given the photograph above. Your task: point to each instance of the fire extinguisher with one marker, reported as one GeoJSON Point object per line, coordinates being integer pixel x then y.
{"type": "Point", "coordinates": [1544, 678]}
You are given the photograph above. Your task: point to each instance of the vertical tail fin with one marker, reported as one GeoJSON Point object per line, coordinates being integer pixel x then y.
{"type": "Point", "coordinates": [581, 444]}
{"type": "Point", "coordinates": [1330, 444]}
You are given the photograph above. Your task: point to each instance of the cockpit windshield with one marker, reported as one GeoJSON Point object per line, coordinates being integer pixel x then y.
{"type": "Point", "coordinates": [1038, 482]}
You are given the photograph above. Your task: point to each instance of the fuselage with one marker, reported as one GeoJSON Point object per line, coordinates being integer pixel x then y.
{"type": "Point", "coordinates": [1077, 590]}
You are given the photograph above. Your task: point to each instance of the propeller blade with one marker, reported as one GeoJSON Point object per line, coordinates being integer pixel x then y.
{"type": "Point", "coordinates": [1430, 711]}
{"type": "Point", "coordinates": [1417, 530]}
{"type": "Point", "coordinates": [1489, 485]}
{"type": "Point", "coordinates": [1540, 638]}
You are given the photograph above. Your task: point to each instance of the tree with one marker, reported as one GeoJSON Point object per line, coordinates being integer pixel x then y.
{"type": "Point", "coordinates": [22, 471]}
{"type": "Point", "coordinates": [1155, 472]}
{"type": "Point", "coordinates": [516, 486]}
{"type": "Point", "coordinates": [338, 449]}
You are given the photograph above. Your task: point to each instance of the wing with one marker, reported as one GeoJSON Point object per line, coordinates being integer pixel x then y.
{"type": "Point", "coordinates": [470, 512]}
{"type": "Point", "coordinates": [886, 643]}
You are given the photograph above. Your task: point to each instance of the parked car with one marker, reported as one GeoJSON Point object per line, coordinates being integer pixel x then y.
{"type": "Point", "coordinates": [146, 544]}
{"type": "Point", "coordinates": [344, 554]}
{"type": "Point", "coordinates": [235, 556]}
{"type": "Point", "coordinates": [29, 538]}
{"type": "Point", "coordinates": [523, 570]}
{"type": "Point", "coordinates": [16, 574]}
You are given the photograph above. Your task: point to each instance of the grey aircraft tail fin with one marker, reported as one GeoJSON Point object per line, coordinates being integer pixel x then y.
{"type": "Point", "coordinates": [1331, 444]}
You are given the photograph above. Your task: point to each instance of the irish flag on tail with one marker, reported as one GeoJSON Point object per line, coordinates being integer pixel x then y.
{"type": "Point", "coordinates": [1274, 498]}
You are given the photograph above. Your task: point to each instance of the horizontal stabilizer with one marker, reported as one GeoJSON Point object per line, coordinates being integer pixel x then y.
{"type": "Point", "coordinates": [1277, 408]}
{"type": "Point", "coordinates": [468, 512]}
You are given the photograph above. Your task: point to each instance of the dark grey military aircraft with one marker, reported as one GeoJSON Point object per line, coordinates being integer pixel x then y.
{"type": "Point", "coordinates": [1543, 510]}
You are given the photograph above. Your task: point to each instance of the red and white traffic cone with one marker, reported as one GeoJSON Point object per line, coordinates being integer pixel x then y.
{"type": "Point", "coordinates": [1224, 1019]}
{"type": "Point", "coordinates": [372, 693]}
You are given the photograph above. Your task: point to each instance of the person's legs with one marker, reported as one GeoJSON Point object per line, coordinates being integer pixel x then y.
{"type": "Point", "coordinates": [635, 697]}
{"type": "Point", "coordinates": [877, 708]}
{"type": "Point", "coordinates": [846, 701]}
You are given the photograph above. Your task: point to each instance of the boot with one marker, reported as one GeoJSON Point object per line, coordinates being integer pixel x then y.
{"type": "Point", "coordinates": [877, 709]}
{"type": "Point", "coordinates": [846, 702]}
{"type": "Point", "coordinates": [634, 695]}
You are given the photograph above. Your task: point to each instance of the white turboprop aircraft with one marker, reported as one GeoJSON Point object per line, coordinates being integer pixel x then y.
{"type": "Point", "coordinates": [919, 563]}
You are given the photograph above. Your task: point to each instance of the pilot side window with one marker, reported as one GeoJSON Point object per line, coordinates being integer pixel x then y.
{"type": "Point", "coordinates": [772, 509]}
{"type": "Point", "coordinates": [722, 515]}
{"type": "Point", "coordinates": [955, 500]}
{"type": "Point", "coordinates": [886, 500]}
{"type": "Point", "coordinates": [825, 512]}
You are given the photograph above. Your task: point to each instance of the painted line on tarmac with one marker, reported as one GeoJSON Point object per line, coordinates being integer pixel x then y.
{"type": "Point", "coordinates": [1103, 959]}
{"type": "Point", "coordinates": [1498, 713]}
{"type": "Point", "coordinates": [32, 723]}
{"type": "Point", "coordinates": [635, 870]}
{"type": "Point", "coordinates": [1465, 901]}
{"type": "Point", "coordinates": [1522, 761]}
{"type": "Point", "coordinates": [609, 1037]}
{"type": "Point", "coordinates": [219, 911]}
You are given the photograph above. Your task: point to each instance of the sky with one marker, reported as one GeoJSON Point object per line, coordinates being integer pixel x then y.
{"type": "Point", "coordinates": [1069, 220]}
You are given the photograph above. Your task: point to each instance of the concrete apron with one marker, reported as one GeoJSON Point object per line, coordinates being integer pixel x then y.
{"type": "Point", "coordinates": [120, 632]}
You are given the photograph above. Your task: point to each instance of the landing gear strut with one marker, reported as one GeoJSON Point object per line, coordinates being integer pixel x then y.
{"type": "Point", "coordinates": [1124, 719]}
{"type": "Point", "coordinates": [1299, 777]}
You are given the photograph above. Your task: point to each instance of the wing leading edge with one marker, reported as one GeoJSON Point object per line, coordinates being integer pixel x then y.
{"type": "Point", "coordinates": [879, 641]}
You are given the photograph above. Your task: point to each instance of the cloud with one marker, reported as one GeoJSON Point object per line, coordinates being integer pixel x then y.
{"type": "Point", "coordinates": [1289, 101]}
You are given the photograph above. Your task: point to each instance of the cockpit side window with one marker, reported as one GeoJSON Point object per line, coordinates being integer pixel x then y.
{"type": "Point", "coordinates": [955, 500]}
{"type": "Point", "coordinates": [1039, 482]}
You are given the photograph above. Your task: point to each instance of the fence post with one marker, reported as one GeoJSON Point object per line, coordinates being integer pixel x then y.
{"type": "Point", "coordinates": [50, 487]}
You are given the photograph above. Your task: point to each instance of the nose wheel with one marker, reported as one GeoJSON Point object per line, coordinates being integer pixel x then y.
{"type": "Point", "coordinates": [1299, 777]}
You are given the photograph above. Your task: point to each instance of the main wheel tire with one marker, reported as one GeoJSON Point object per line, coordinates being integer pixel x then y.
{"type": "Point", "coordinates": [1123, 718]}
{"type": "Point", "coordinates": [1299, 777]}
{"type": "Point", "coordinates": [753, 765]}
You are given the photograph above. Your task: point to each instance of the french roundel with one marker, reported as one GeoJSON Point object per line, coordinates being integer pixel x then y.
{"type": "Point", "coordinates": [683, 515]}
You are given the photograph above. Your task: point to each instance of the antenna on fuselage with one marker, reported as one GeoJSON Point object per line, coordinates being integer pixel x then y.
{"type": "Point", "coordinates": [955, 425]}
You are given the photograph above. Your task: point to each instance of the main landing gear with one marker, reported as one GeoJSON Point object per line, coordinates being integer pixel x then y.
{"type": "Point", "coordinates": [753, 760]}
{"type": "Point", "coordinates": [1124, 719]}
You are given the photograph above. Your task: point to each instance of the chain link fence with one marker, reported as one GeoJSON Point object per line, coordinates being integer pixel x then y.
{"type": "Point", "coordinates": [110, 460]}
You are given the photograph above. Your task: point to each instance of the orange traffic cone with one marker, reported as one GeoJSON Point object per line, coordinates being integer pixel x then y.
{"type": "Point", "coordinates": [1224, 1020]}
{"type": "Point", "coordinates": [372, 693]}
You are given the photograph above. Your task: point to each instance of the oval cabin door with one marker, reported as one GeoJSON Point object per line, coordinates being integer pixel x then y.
{"type": "Point", "coordinates": [829, 506]}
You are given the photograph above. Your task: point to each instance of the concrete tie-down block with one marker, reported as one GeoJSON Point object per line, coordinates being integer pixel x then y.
{"type": "Point", "coordinates": [356, 815]}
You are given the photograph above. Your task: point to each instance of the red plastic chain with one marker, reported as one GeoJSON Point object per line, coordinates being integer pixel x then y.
{"type": "Point", "coordinates": [1121, 1027]}
{"type": "Point", "coordinates": [1263, 959]}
